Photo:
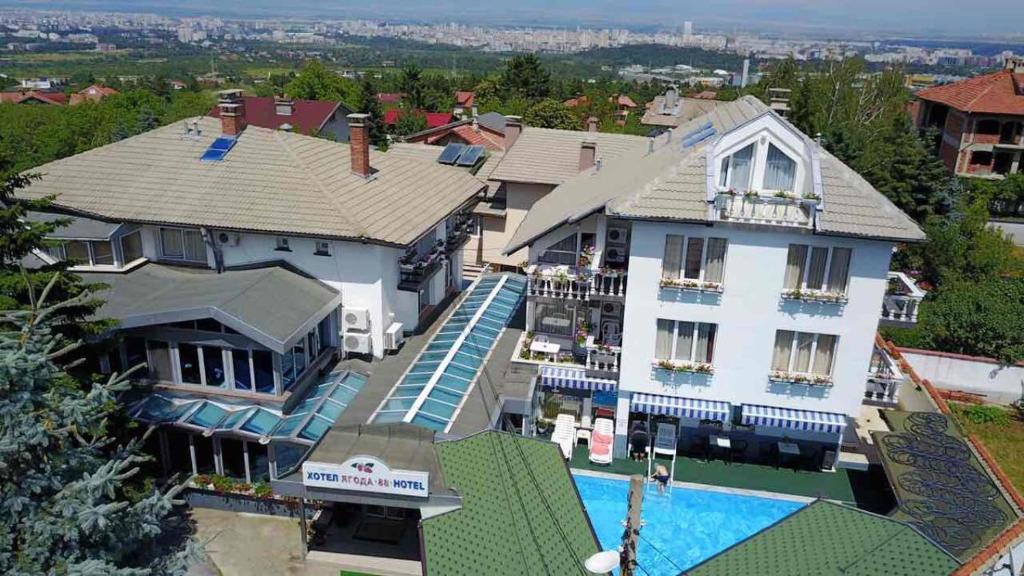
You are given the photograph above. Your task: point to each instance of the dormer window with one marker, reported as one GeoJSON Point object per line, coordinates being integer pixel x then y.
{"type": "Point", "coordinates": [760, 167]}
{"type": "Point", "coordinates": [736, 170]}
{"type": "Point", "coordinates": [766, 157]}
{"type": "Point", "coordinates": [779, 171]}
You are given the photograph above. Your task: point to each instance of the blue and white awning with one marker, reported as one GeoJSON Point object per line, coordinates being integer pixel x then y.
{"type": "Point", "coordinates": [680, 407]}
{"type": "Point", "coordinates": [793, 419]}
{"type": "Point", "coordinates": [575, 379]}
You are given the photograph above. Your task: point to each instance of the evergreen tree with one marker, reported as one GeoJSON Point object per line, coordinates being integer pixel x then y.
{"type": "Point", "coordinates": [367, 103]}
{"type": "Point", "coordinates": [551, 114]}
{"type": "Point", "coordinates": [316, 82]}
{"type": "Point", "coordinates": [411, 83]}
{"type": "Point", "coordinates": [525, 77]}
{"type": "Point", "coordinates": [71, 500]}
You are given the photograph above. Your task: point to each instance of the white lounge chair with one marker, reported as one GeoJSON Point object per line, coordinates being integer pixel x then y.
{"type": "Point", "coordinates": [601, 441]}
{"type": "Point", "coordinates": [565, 434]}
{"type": "Point", "coordinates": [665, 440]}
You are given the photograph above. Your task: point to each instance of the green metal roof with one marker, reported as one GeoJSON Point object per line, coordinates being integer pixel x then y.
{"type": "Point", "coordinates": [520, 511]}
{"type": "Point", "coordinates": [826, 538]}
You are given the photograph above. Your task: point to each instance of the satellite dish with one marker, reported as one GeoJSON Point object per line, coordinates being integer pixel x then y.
{"type": "Point", "coordinates": [602, 562]}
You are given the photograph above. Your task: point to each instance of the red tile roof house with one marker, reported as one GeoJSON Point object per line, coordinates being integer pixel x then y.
{"type": "Point", "coordinates": [309, 117]}
{"type": "Point", "coordinates": [434, 119]}
{"type": "Point", "coordinates": [34, 97]}
{"type": "Point", "coordinates": [390, 98]}
{"type": "Point", "coordinates": [468, 131]}
{"type": "Point", "coordinates": [981, 122]}
{"type": "Point", "coordinates": [464, 100]}
{"type": "Point", "coordinates": [93, 93]}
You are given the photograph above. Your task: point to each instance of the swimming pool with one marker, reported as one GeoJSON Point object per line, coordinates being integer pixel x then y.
{"type": "Point", "coordinates": [682, 527]}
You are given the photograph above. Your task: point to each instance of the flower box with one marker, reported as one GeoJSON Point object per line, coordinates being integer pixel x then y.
{"type": "Point", "coordinates": [800, 378]}
{"type": "Point", "coordinates": [691, 284]}
{"type": "Point", "coordinates": [691, 367]}
{"type": "Point", "coordinates": [815, 296]}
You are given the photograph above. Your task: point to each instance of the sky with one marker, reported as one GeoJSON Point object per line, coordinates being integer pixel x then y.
{"type": "Point", "coordinates": [902, 17]}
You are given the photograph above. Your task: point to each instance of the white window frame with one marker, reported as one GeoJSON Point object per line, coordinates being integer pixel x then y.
{"type": "Point", "coordinates": [703, 257]}
{"type": "Point", "coordinates": [693, 342]}
{"type": "Point", "coordinates": [759, 161]}
{"type": "Point", "coordinates": [324, 244]}
{"type": "Point", "coordinates": [120, 242]}
{"type": "Point", "coordinates": [814, 352]}
{"type": "Point", "coordinates": [282, 243]}
{"type": "Point", "coordinates": [184, 252]}
{"type": "Point", "coordinates": [806, 271]}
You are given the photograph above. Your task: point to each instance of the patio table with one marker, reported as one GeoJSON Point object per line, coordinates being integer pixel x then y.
{"type": "Point", "coordinates": [549, 348]}
{"type": "Point", "coordinates": [789, 448]}
{"type": "Point", "coordinates": [723, 443]}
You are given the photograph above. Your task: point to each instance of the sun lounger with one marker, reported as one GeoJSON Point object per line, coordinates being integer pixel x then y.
{"type": "Point", "coordinates": [665, 440]}
{"type": "Point", "coordinates": [565, 434]}
{"type": "Point", "coordinates": [601, 441]}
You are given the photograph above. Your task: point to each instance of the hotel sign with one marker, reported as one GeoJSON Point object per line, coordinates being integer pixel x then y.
{"type": "Point", "coordinates": [365, 474]}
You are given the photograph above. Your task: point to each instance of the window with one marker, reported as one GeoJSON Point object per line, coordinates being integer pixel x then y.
{"type": "Point", "coordinates": [679, 341]}
{"type": "Point", "coordinates": [981, 158]}
{"type": "Point", "coordinates": [779, 171]}
{"type": "Point", "coordinates": [555, 318]}
{"type": "Point", "coordinates": [803, 353]}
{"type": "Point", "coordinates": [323, 248]}
{"type": "Point", "coordinates": [988, 127]}
{"type": "Point", "coordinates": [240, 366]}
{"type": "Point", "coordinates": [102, 253]}
{"type": "Point", "coordinates": [263, 365]}
{"type": "Point", "coordinates": [213, 365]}
{"type": "Point", "coordinates": [282, 244]}
{"type": "Point", "coordinates": [77, 252]}
{"type": "Point", "coordinates": [694, 258]}
{"type": "Point", "coordinates": [188, 359]}
{"type": "Point", "coordinates": [817, 268]}
{"type": "Point", "coordinates": [160, 360]}
{"type": "Point", "coordinates": [762, 166]}
{"type": "Point", "coordinates": [293, 364]}
{"type": "Point", "coordinates": [737, 169]}
{"type": "Point", "coordinates": [561, 252]}
{"type": "Point", "coordinates": [131, 246]}
{"type": "Point", "coordinates": [135, 353]}
{"type": "Point", "coordinates": [182, 244]}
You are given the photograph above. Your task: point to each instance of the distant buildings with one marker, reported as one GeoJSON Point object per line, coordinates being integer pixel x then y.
{"type": "Point", "coordinates": [670, 110]}
{"type": "Point", "coordinates": [980, 122]}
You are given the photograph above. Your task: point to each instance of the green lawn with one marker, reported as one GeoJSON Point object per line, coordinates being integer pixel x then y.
{"type": "Point", "coordinates": [867, 490]}
{"type": "Point", "coordinates": [1004, 440]}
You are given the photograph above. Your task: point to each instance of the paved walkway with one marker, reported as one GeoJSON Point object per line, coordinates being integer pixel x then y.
{"type": "Point", "coordinates": [247, 544]}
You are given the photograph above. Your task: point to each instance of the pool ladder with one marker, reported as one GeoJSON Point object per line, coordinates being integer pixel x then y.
{"type": "Point", "coordinates": [671, 470]}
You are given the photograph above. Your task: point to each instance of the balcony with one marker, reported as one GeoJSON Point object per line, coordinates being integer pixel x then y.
{"type": "Point", "coordinates": [784, 210]}
{"type": "Point", "coordinates": [458, 234]}
{"type": "Point", "coordinates": [901, 300]}
{"type": "Point", "coordinates": [598, 359]}
{"type": "Point", "coordinates": [415, 268]}
{"type": "Point", "coordinates": [574, 283]}
{"type": "Point", "coordinates": [884, 379]}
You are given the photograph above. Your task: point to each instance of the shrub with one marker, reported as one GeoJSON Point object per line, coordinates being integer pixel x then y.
{"type": "Point", "coordinates": [982, 414]}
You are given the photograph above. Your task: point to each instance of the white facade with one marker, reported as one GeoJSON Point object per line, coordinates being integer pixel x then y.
{"type": "Point", "coordinates": [747, 314]}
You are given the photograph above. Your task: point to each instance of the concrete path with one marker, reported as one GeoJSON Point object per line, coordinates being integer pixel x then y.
{"type": "Point", "coordinates": [248, 544]}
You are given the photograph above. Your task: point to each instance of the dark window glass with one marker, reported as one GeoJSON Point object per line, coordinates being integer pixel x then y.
{"type": "Point", "coordinates": [77, 252]}
{"type": "Point", "coordinates": [232, 457]}
{"type": "Point", "coordinates": [180, 456]}
{"type": "Point", "coordinates": [204, 454]}
{"type": "Point", "coordinates": [263, 365]}
{"type": "Point", "coordinates": [131, 247]}
{"type": "Point", "coordinates": [213, 365]}
{"type": "Point", "coordinates": [240, 363]}
{"type": "Point", "coordinates": [259, 462]}
{"type": "Point", "coordinates": [135, 353]}
{"type": "Point", "coordinates": [160, 360]}
{"type": "Point", "coordinates": [114, 357]}
{"type": "Point", "coordinates": [102, 253]}
{"type": "Point", "coordinates": [188, 356]}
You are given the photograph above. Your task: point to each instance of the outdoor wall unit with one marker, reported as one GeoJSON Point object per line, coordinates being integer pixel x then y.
{"type": "Point", "coordinates": [393, 337]}
{"type": "Point", "coordinates": [355, 319]}
{"type": "Point", "coordinates": [357, 342]}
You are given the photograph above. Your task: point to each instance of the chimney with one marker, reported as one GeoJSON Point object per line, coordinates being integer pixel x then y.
{"type": "Point", "coordinates": [359, 143]}
{"type": "Point", "coordinates": [592, 124]}
{"type": "Point", "coordinates": [283, 105]}
{"type": "Point", "coordinates": [670, 99]}
{"type": "Point", "coordinates": [588, 153]}
{"type": "Point", "coordinates": [513, 128]}
{"type": "Point", "coordinates": [232, 111]}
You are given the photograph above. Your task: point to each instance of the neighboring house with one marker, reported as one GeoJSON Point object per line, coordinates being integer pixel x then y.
{"type": "Point", "coordinates": [434, 119]}
{"type": "Point", "coordinates": [536, 160]}
{"type": "Point", "coordinates": [390, 98]}
{"type": "Point", "coordinates": [34, 97]}
{"type": "Point", "coordinates": [308, 117]}
{"type": "Point", "coordinates": [670, 110]}
{"type": "Point", "coordinates": [464, 100]}
{"type": "Point", "coordinates": [730, 276]}
{"type": "Point", "coordinates": [93, 93]}
{"type": "Point", "coordinates": [980, 121]}
{"type": "Point", "coordinates": [469, 132]}
{"type": "Point", "coordinates": [240, 259]}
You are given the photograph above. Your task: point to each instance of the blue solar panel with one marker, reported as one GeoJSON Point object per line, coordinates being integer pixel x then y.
{"type": "Point", "coordinates": [470, 155]}
{"type": "Point", "coordinates": [450, 153]}
{"type": "Point", "coordinates": [220, 147]}
{"type": "Point", "coordinates": [696, 131]}
{"type": "Point", "coordinates": [213, 155]}
{"type": "Point", "coordinates": [222, 143]}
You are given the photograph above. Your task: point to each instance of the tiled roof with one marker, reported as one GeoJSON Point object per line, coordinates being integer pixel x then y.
{"type": "Point", "coordinates": [464, 98]}
{"type": "Point", "coordinates": [271, 181]}
{"type": "Point", "coordinates": [307, 117]}
{"type": "Point", "coordinates": [548, 156]}
{"type": "Point", "coordinates": [671, 184]}
{"type": "Point", "coordinates": [55, 98]}
{"type": "Point", "coordinates": [434, 119]}
{"type": "Point", "coordinates": [520, 511]}
{"type": "Point", "coordinates": [831, 539]}
{"type": "Point", "coordinates": [996, 93]}
{"type": "Point", "coordinates": [390, 97]}
{"type": "Point", "coordinates": [688, 109]}
{"type": "Point", "coordinates": [626, 101]}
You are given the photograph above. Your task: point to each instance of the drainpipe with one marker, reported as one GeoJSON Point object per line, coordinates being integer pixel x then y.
{"type": "Point", "coordinates": [218, 256]}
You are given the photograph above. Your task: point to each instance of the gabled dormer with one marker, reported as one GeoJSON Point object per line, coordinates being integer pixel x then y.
{"type": "Point", "coordinates": [766, 172]}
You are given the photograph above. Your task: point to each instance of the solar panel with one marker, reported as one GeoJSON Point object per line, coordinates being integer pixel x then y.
{"type": "Point", "coordinates": [470, 155]}
{"type": "Point", "coordinates": [696, 131]}
{"type": "Point", "coordinates": [222, 144]}
{"type": "Point", "coordinates": [213, 155]}
{"type": "Point", "coordinates": [218, 149]}
{"type": "Point", "coordinates": [450, 153]}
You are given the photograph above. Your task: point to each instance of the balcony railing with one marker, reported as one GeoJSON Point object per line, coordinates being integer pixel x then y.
{"type": "Point", "coordinates": [414, 269]}
{"type": "Point", "coordinates": [884, 379]}
{"type": "Point", "coordinates": [602, 357]}
{"type": "Point", "coordinates": [595, 357]}
{"type": "Point", "coordinates": [778, 211]}
{"type": "Point", "coordinates": [574, 283]}
{"type": "Point", "coordinates": [902, 299]}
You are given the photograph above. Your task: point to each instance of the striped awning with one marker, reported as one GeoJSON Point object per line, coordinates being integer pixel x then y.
{"type": "Point", "coordinates": [793, 419]}
{"type": "Point", "coordinates": [680, 407]}
{"type": "Point", "coordinates": [575, 379]}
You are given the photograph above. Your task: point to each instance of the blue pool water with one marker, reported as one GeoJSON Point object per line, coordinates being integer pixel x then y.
{"type": "Point", "coordinates": [683, 527]}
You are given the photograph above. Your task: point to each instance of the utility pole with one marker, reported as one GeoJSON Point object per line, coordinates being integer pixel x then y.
{"type": "Point", "coordinates": [631, 534]}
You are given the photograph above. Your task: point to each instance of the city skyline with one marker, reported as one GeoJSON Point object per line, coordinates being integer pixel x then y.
{"type": "Point", "coordinates": [942, 17]}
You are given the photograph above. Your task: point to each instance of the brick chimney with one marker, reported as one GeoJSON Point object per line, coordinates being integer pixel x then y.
{"type": "Point", "coordinates": [359, 143]}
{"type": "Point", "coordinates": [588, 153]}
{"type": "Point", "coordinates": [592, 124]}
{"type": "Point", "coordinates": [513, 128]}
{"type": "Point", "coordinates": [232, 112]}
{"type": "Point", "coordinates": [283, 105]}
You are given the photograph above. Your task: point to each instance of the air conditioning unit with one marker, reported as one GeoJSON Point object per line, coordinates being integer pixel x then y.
{"type": "Point", "coordinates": [229, 238]}
{"type": "Point", "coordinates": [611, 308]}
{"type": "Point", "coordinates": [357, 342]}
{"type": "Point", "coordinates": [617, 235]}
{"type": "Point", "coordinates": [393, 336]}
{"type": "Point", "coordinates": [355, 319]}
{"type": "Point", "coordinates": [614, 255]}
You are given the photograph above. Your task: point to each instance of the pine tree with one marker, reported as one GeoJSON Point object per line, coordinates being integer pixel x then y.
{"type": "Point", "coordinates": [71, 499]}
{"type": "Point", "coordinates": [367, 103]}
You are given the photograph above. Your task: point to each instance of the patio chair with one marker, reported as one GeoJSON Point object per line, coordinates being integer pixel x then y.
{"type": "Point", "coordinates": [601, 441]}
{"type": "Point", "coordinates": [665, 439]}
{"type": "Point", "coordinates": [565, 434]}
